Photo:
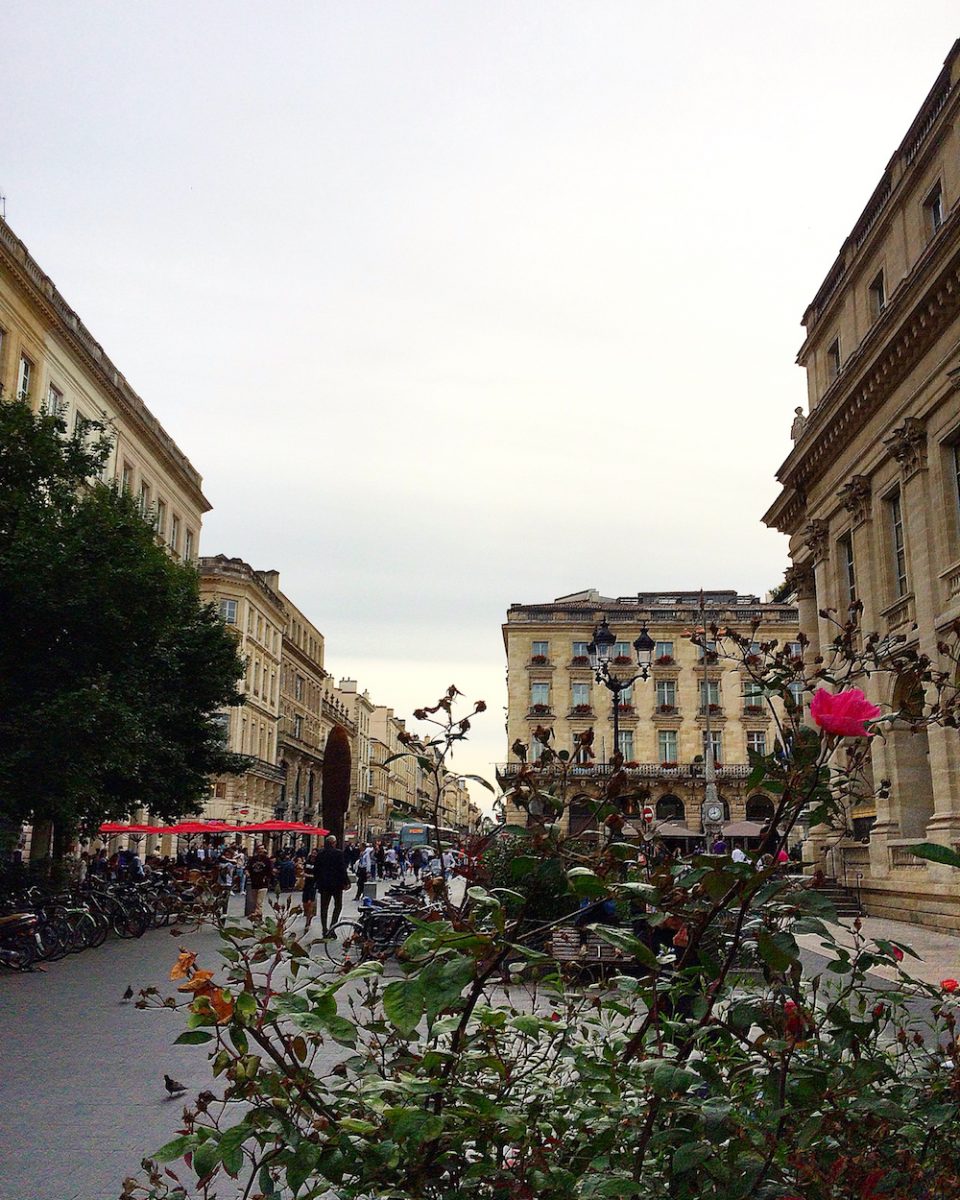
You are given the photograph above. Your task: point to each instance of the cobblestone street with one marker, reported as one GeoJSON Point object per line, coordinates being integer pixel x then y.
{"type": "Point", "coordinates": [81, 1090]}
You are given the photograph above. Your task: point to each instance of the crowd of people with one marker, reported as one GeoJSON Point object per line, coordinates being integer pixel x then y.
{"type": "Point", "coordinates": [321, 875]}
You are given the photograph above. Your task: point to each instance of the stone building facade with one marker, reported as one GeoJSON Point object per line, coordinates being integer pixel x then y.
{"type": "Point", "coordinates": [870, 496]}
{"type": "Point", "coordinates": [50, 359]}
{"type": "Point", "coordinates": [664, 721]}
{"type": "Point", "coordinates": [254, 612]}
{"type": "Point", "coordinates": [302, 728]}
{"type": "Point", "coordinates": [359, 707]}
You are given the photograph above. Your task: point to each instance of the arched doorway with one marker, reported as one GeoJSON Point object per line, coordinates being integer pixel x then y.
{"type": "Point", "coordinates": [670, 808]}
{"type": "Point", "coordinates": [909, 754]}
{"type": "Point", "coordinates": [759, 808]}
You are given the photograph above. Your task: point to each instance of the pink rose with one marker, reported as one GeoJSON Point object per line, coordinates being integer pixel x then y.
{"type": "Point", "coordinates": [845, 713]}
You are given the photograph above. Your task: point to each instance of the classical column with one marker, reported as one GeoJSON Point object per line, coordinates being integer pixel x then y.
{"type": "Point", "coordinates": [908, 445]}
{"type": "Point", "coordinates": [801, 581]}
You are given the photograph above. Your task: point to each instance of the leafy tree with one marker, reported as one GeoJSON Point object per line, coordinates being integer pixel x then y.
{"type": "Point", "coordinates": [111, 670]}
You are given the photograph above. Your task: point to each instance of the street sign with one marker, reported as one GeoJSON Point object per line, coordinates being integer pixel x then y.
{"type": "Point", "coordinates": [648, 813]}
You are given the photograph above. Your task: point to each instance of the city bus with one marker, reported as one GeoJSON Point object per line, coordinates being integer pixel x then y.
{"type": "Point", "coordinates": [421, 833]}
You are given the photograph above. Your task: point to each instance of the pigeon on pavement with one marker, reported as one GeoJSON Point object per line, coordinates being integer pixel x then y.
{"type": "Point", "coordinates": [173, 1087]}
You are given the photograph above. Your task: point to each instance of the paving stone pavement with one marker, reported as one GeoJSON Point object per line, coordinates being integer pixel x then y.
{"type": "Point", "coordinates": [939, 952]}
{"type": "Point", "coordinates": [81, 1073]}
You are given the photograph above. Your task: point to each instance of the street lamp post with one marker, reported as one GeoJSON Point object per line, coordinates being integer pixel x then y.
{"type": "Point", "coordinates": [600, 650]}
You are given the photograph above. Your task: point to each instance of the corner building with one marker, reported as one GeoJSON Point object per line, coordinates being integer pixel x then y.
{"type": "Point", "coordinates": [663, 721]}
{"type": "Point", "coordinates": [51, 361]}
{"type": "Point", "coordinates": [254, 612]}
{"type": "Point", "coordinates": [870, 492]}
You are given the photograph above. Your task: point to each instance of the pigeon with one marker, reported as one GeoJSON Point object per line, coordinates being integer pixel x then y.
{"type": "Point", "coordinates": [173, 1087]}
{"type": "Point", "coordinates": [128, 994]}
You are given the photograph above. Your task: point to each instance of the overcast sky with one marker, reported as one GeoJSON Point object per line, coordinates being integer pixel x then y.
{"type": "Point", "coordinates": [456, 304]}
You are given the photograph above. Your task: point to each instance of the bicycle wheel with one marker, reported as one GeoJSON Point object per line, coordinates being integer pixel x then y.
{"type": "Point", "coordinates": [84, 931]}
{"type": "Point", "coordinates": [101, 927]}
{"type": "Point", "coordinates": [345, 942]}
{"type": "Point", "coordinates": [54, 937]}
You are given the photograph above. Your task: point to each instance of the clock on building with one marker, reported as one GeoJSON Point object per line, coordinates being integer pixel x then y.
{"type": "Point", "coordinates": [714, 812]}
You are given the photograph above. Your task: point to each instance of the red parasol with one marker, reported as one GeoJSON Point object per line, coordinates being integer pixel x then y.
{"type": "Point", "coordinates": [115, 827]}
{"type": "Point", "coordinates": [284, 827]}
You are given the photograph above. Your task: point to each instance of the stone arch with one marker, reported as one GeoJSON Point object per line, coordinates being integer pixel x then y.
{"type": "Point", "coordinates": [908, 751]}
{"type": "Point", "coordinates": [671, 808]}
{"type": "Point", "coordinates": [759, 808]}
{"type": "Point", "coordinates": [335, 780]}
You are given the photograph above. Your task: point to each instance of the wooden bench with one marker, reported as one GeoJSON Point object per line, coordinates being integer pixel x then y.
{"type": "Point", "coordinates": [569, 945]}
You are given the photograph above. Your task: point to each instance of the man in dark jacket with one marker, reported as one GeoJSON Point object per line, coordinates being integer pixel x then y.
{"type": "Point", "coordinates": [330, 872]}
{"type": "Point", "coordinates": [259, 877]}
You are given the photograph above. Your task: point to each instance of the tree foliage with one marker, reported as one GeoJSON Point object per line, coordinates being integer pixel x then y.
{"type": "Point", "coordinates": [111, 670]}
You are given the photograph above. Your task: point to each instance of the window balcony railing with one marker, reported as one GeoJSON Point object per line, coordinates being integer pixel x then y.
{"type": "Point", "coordinates": [580, 660]}
{"type": "Point", "coordinates": [665, 660]}
{"type": "Point", "coordinates": [753, 710]}
{"type": "Point", "coordinates": [583, 710]}
{"type": "Point", "coordinates": [714, 710]}
{"type": "Point", "coordinates": [540, 710]}
{"type": "Point", "coordinates": [539, 660]}
{"type": "Point", "coordinates": [667, 710]}
{"type": "Point", "coordinates": [692, 770]}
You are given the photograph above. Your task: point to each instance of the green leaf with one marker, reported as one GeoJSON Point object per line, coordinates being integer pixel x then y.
{"type": "Point", "coordinates": [756, 776]}
{"type": "Point", "coordinates": [193, 1037]}
{"type": "Point", "coordinates": [483, 782]}
{"type": "Point", "coordinates": [936, 853]}
{"type": "Point", "coordinates": [302, 1164]}
{"type": "Point", "coordinates": [442, 985]}
{"type": "Point", "coordinates": [527, 1023]}
{"type": "Point", "coordinates": [668, 1079]}
{"type": "Point", "coordinates": [628, 943]}
{"type": "Point", "coordinates": [205, 1157]}
{"type": "Point", "coordinates": [690, 1155]}
{"type": "Point", "coordinates": [246, 1005]}
{"type": "Point", "coordinates": [267, 1185]}
{"type": "Point", "coordinates": [523, 865]}
{"type": "Point", "coordinates": [352, 1125]}
{"type": "Point", "coordinates": [585, 883]}
{"type": "Point", "coordinates": [175, 1149]}
{"type": "Point", "coordinates": [403, 1003]}
{"type": "Point", "coordinates": [778, 950]}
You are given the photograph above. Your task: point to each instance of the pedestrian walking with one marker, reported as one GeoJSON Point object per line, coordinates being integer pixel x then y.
{"type": "Point", "coordinates": [416, 861]}
{"type": "Point", "coordinates": [260, 875]}
{"type": "Point", "coordinates": [330, 872]}
{"type": "Point", "coordinates": [309, 889]}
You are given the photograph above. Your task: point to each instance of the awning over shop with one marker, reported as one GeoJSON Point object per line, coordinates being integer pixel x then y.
{"type": "Point", "coordinates": [746, 829]}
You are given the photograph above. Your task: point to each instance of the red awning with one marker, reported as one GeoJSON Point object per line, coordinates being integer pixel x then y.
{"type": "Point", "coordinates": [188, 828]}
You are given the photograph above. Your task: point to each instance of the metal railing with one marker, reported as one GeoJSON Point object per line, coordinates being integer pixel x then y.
{"type": "Point", "coordinates": [643, 770]}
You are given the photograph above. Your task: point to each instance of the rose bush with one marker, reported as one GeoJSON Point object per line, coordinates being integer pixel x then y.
{"type": "Point", "coordinates": [706, 1059]}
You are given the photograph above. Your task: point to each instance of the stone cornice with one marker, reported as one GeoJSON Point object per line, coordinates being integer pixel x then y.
{"type": "Point", "coordinates": [236, 571]}
{"type": "Point", "coordinates": [61, 318]}
{"type": "Point", "coordinates": [934, 117]}
{"type": "Point", "coordinates": [869, 378]}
